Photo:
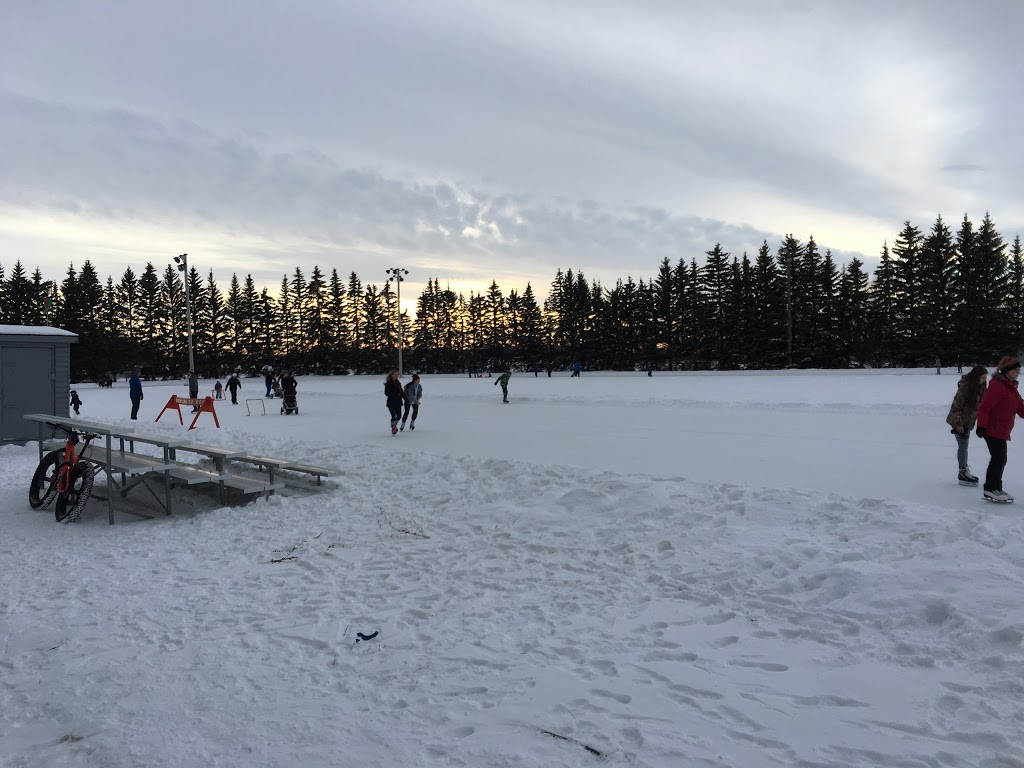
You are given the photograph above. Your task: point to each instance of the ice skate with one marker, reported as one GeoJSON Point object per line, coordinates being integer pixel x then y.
{"type": "Point", "coordinates": [1000, 497]}
{"type": "Point", "coordinates": [966, 478]}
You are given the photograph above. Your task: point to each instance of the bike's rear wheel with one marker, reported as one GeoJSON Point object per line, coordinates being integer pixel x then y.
{"type": "Point", "coordinates": [44, 481]}
{"type": "Point", "coordinates": [70, 504]}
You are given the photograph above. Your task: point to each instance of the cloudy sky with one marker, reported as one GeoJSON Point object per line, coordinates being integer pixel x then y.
{"type": "Point", "coordinates": [472, 140]}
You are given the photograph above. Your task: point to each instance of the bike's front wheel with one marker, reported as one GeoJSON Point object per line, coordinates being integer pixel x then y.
{"type": "Point", "coordinates": [70, 504]}
{"type": "Point", "coordinates": [44, 481]}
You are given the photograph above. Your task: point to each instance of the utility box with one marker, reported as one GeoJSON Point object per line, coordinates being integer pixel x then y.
{"type": "Point", "coordinates": [35, 371]}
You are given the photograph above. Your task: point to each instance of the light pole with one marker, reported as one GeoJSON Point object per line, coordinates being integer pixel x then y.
{"type": "Point", "coordinates": [182, 262]}
{"type": "Point", "coordinates": [397, 274]}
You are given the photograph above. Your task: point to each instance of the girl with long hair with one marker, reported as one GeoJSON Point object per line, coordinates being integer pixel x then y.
{"type": "Point", "coordinates": [396, 397]}
{"type": "Point", "coordinates": [963, 415]}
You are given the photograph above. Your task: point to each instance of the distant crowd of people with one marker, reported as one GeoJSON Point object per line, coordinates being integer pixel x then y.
{"type": "Point", "coordinates": [986, 408]}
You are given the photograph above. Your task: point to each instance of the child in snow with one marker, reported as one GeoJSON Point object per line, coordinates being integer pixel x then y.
{"type": "Point", "coordinates": [76, 401]}
{"type": "Point", "coordinates": [218, 391]}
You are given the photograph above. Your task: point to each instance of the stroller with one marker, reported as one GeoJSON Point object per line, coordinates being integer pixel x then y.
{"type": "Point", "coordinates": [289, 403]}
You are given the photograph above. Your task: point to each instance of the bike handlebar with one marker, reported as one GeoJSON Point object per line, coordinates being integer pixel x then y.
{"type": "Point", "coordinates": [69, 432]}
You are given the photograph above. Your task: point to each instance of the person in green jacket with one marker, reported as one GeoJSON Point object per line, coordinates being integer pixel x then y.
{"type": "Point", "coordinates": [503, 380]}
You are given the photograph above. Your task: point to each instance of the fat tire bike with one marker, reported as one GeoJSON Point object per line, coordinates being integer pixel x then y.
{"type": "Point", "coordinates": [64, 476]}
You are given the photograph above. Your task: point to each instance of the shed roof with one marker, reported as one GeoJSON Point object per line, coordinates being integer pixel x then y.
{"type": "Point", "coordinates": [11, 331]}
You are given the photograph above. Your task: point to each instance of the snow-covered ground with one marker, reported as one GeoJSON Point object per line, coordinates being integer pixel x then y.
{"type": "Point", "coordinates": [773, 569]}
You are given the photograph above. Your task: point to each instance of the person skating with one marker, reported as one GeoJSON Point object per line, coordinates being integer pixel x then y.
{"type": "Point", "coordinates": [395, 399]}
{"type": "Point", "coordinates": [218, 391]}
{"type": "Point", "coordinates": [135, 392]}
{"type": "Point", "coordinates": [413, 394]}
{"type": "Point", "coordinates": [1000, 404]}
{"type": "Point", "coordinates": [503, 380]}
{"type": "Point", "coordinates": [76, 401]}
{"type": "Point", "coordinates": [233, 386]}
{"type": "Point", "coordinates": [268, 378]}
{"type": "Point", "coordinates": [963, 415]}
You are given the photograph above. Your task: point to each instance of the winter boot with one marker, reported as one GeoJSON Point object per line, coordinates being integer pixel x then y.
{"type": "Point", "coordinates": [394, 429]}
{"type": "Point", "coordinates": [402, 428]}
{"type": "Point", "coordinates": [966, 478]}
{"type": "Point", "coordinates": [413, 425]}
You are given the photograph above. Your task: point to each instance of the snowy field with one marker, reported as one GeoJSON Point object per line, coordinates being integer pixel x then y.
{"type": "Point", "coordinates": [743, 570]}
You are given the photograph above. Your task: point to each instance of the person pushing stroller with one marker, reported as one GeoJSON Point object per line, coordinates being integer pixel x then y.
{"type": "Point", "coordinates": [289, 385]}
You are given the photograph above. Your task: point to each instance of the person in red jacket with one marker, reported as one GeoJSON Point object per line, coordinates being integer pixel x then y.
{"type": "Point", "coordinates": [1001, 403]}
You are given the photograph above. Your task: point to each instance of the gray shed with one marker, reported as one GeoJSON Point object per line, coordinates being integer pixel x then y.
{"type": "Point", "coordinates": [35, 373]}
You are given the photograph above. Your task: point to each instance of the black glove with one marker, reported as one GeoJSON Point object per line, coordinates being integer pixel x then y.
{"type": "Point", "coordinates": [495, 383]}
{"type": "Point", "coordinates": [980, 431]}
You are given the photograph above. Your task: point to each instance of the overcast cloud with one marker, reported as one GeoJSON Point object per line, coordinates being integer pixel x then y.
{"type": "Point", "coordinates": [471, 140]}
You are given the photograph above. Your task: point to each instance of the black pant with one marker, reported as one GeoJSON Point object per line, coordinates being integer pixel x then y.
{"type": "Point", "coordinates": [415, 408]}
{"type": "Point", "coordinates": [135, 407]}
{"type": "Point", "coordinates": [234, 397]}
{"type": "Point", "coordinates": [994, 475]}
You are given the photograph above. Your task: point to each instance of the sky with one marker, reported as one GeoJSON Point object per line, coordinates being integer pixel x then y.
{"type": "Point", "coordinates": [691, 570]}
{"type": "Point", "coordinates": [475, 141]}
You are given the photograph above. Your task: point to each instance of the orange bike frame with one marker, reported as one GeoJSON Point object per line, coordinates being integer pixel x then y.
{"type": "Point", "coordinates": [70, 460]}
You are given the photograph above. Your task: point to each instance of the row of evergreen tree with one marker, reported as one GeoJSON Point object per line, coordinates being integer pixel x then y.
{"type": "Point", "coordinates": [957, 297]}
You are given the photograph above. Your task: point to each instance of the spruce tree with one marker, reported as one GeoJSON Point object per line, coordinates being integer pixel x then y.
{"type": "Point", "coordinates": [994, 284]}
{"type": "Point", "coordinates": [790, 254]}
{"type": "Point", "coordinates": [853, 326]}
{"type": "Point", "coordinates": [233, 319]}
{"type": "Point", "coordinates": [151, 316]}
{"type": "Point", "coordinates": [883, 302]}
{"type": "Point", "coordinates": [906, 260]}
{"type": "Point", "coordinates": [18, 296]}
{"type": "Point", "coordinates": [935, 289]}
{"type": "Point", "coordinates": [1014, 309]}
{"type": "Point", "coordinates": [967, 294]}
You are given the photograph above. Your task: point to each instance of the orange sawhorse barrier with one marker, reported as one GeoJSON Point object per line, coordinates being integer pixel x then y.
{"type": "Point", "coordinates": [205, 406]}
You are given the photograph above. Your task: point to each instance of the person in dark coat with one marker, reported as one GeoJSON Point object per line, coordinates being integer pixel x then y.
{"type": "Point", "coordinates": [289, 386]}
{"type": "Point", "coordinates": [963, 415]}
{"type": "Point", "coordinates": [996, 415]}
{"type": "Point", "coordinates": [233, 386]}
{"type": "Point", "coordinates": [135, 392]}
{"type": "Point", "coordinates": [268, 378]}
{"type": "Point", "coordinates": [396, 399]}
{"type": "Point", "coordinates": [76, 401]}
{"type": "Point", "coordinates": [193, 388]}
